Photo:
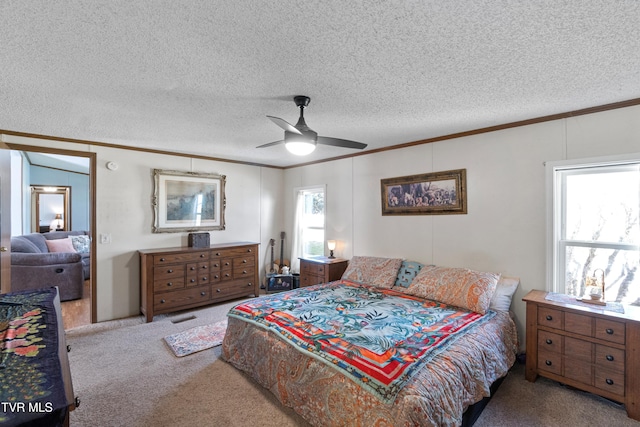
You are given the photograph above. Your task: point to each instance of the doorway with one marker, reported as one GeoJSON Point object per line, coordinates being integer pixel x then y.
{"type": "Point", "coordinates": [56, 192]}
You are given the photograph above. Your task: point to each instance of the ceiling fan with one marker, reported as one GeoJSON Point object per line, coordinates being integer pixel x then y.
{"type": "Point", "coordinates": [300, 139]}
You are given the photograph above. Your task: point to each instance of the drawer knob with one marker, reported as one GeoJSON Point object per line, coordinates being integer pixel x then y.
{"type": "Point", "coordinates": [218, 290]}
{"type": "Point", "coordinates": [609, 358]}
{"type": "Point", "coordinates": [203, 293]}
{"type": "Point", "coordinates": [549, 317]}
{"type": "Point", "coordinates": [547, 362]}
{"type": "Point", "coordinates": [193, 280]}
{"type": "Point", "coordinates": [205, 278]}
{"type": "Point", "coordinates": [548, 341]}
{"type": "Point", "coordinates": [192, 268]}
{"type": "Point", "coordinates": [216, 277]}
{"type": "Point", "coordinates": [204, 267]}
{"type": "Point", "coordinates": [249, 250]}
{"type": "Point", "coordinates": [249, 284]}
{"type": "Point", "coordinates": [244, 261]}
{"type": "Point", "coordinates": [609, 381]}
{"type": "Point", "coordinates": [244, 271]}
{"type": "Point", "coordinates": [170, 270]}
{"type": "Point", "coordinates": [162, 301]}
{"type": "Point", "coordinates": [161, 259]}
{"type": "Point", "coordinates": [201, 255]}
{"type": "Point", "coordinates": [609, 331]}
{"type": "Point", "coordinates": [217, 253]}
{"type": "Point", "coordinates": [170, 284]}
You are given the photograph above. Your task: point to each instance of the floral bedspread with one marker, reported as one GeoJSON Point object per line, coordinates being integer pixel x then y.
{"type": "Point", "coordinates": [377, 337]}
{"type": "Point", "coordinates": [458, 373]}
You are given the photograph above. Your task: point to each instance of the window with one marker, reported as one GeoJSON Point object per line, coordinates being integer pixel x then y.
{"type": "Point", "coordinates": [308, 239]}
{"type": "Point", "coordinates": [595, 225]}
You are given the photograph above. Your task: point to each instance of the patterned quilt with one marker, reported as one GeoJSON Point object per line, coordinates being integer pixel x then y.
{"type": "Point", "coordinates": [377, 337]}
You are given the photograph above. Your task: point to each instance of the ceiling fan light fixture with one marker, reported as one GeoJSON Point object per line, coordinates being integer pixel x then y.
{"type": "Point", "coordinates": [300, 148]}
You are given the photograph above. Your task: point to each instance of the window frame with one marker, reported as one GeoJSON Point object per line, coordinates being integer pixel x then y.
{"type": "Point", "coordinates": [556, 173]}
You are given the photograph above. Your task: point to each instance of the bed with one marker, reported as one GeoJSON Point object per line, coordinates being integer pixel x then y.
{"type": "Point", "coordinates": [393, 343]}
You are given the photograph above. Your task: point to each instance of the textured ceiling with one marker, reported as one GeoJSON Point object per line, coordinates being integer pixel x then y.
{"type": "Point", "coordinates": [200, 76]}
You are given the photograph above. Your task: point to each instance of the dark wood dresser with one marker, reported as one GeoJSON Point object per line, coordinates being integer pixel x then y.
{"type": "Point", "coordinates": [316, 270]}
{"type": "Point", "coordinates": [173, 279]}
{"type": "Point", "coordinates": [591, 349]}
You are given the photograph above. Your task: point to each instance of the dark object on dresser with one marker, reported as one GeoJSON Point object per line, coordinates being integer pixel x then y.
{"type": "Point", "coordinates": [199, 240]}
{"type": "Point", "coordinates": [34, 267]}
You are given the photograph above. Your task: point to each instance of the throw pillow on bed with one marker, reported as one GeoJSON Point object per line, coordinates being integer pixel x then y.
{"type": "Point", "coordinates": [461, 287]}
{"type": "Point", "coordinates": [501, 299]}
{"type": "Point", "coordinates": [408, 270]}
{"type": "Point", "coordinates": [375, 271]}
{"type": "Point", "coordinates": [59, 245]}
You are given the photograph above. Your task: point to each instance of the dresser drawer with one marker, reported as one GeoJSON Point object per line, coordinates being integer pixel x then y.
{"type": "Point", "coordinates": [548, 341]}
{"type": "Point", "coordinates": [234, 288]}
{"type": "Point", "coordinates": [610, 330]}
{"type": "Point", "coordinates": [242, 262]}
{"type": "Point", "coordinates": [578, 324]}
{"type": "Point", "coordinates": [549, 361]}
{"type": "Point", "coordinates": [576, 349]}
{"type": "Point", "coordinates": [610, 358]}
{"type": "Point", "coordinates": [166, 285]}
{"type": "Point", "coordinates": [550, 317]}
{"type": "Point", "coordinates": [610, 381]}
{"type": "Point", "coordinates": [180, 257]}
{"type": "Point", "coordinates": [579, 370]}
{"type": "Point", "coordinates": [169, 271]}
{"type": "Point", "coordinates": [312, 268]}
{"type": "Point", "coordinates": [170, 300]}
{"type": "Point", "coordinates": [232, 252]}
{"type": "Point", "coordinates": [243, 271]}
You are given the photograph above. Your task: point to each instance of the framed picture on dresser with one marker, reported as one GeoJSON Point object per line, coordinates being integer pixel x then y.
{"type": "Point", "coordinates": [188, 201]}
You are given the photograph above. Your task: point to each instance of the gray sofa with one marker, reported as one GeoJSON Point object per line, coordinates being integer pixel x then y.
{"type": "Point", "coordinates": [34, 267]}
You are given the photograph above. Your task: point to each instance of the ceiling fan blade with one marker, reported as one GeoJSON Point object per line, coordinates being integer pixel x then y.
{"type": "Point", "coordinates": [271, 144]}
{"type": "Point", "coordinates": [284, 125]}
{"type": "Point", "coordinates": [337, 142]}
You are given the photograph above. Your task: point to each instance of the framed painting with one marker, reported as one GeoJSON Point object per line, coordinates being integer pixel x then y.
{"type": "Point", "coordinates": [434, 193]}
{"type": "Point", "coordinates": [188, 201]}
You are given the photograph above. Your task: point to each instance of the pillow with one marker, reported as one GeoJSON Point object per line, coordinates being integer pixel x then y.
{"type": "Point", "coordinates": [506, 287]}
{"type": "Point", "coordinates": [60, 245]}
{"type": "Point", "coordinates": [408, 270]}
{"type": "Point", "coordinates": [81, 243]}
{"type": "Point", "coordinates": [464, 288]}
{"type": "Point", "coordinates": [375, 271]}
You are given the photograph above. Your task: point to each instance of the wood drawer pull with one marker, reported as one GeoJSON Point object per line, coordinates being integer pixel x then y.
{"type": "Point", "coordinates": [609, 381]}
{"type": "Point", "coordinates": [549, 317]}
{"type": "Point", "coordinates": [549, 341]}
{"type": "Point", "coordinates": [548, 362]}
{"type": "Point", "coordinates": [609, 331]}
{"type": "Point", "coordinates": [609, 358]}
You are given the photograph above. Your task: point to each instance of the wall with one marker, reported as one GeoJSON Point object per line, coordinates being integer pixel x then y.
{"type": "Point", "coordinates": [504, 230]}
{"type": "Point", "coordinates": [124, 213]}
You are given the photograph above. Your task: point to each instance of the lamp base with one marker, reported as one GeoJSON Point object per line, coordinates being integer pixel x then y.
{"type": "Point", "coordinates": [331, 255]}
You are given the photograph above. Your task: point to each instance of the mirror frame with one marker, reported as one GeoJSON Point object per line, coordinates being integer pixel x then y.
{"type": "Point", "coordinates": [36, 192]}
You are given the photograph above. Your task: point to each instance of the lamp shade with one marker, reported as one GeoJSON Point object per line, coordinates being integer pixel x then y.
{"type": "Point", "coordinates": [58, 216]}
{"type": "Point", "coordinates": [331, 244]}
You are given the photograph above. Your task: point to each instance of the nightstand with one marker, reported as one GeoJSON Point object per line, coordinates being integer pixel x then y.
{"type": "Point", "coordinates": [314, 270]}
{"type": "Point", "coordinates": [585, 347]}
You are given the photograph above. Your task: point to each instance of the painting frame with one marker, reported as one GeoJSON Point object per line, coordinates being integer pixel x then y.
{"type": "Point", "coordinates": [434, 193]}
{"type": "Point", "coordinates": [188, 201]}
